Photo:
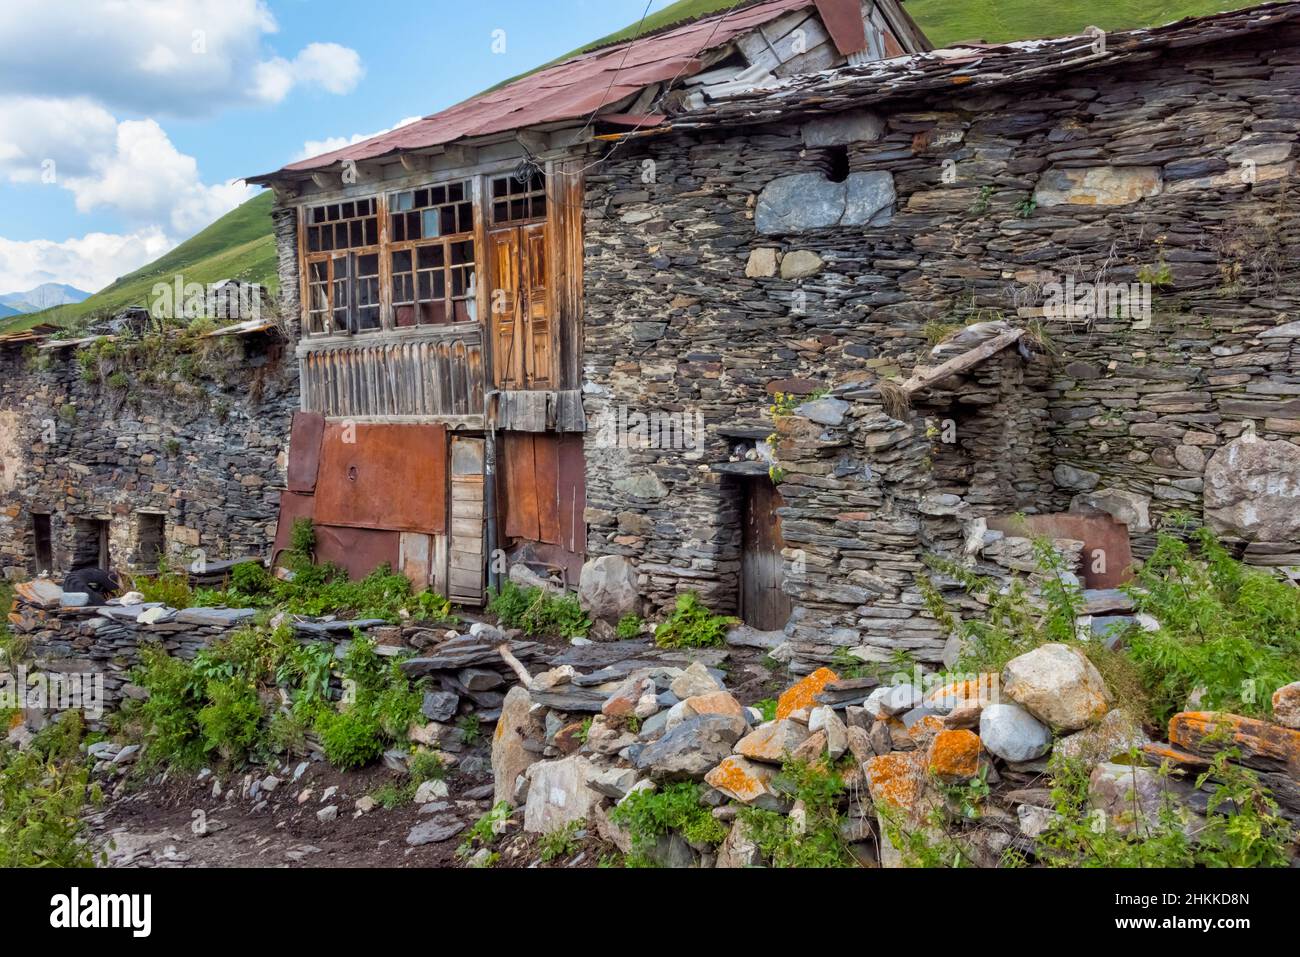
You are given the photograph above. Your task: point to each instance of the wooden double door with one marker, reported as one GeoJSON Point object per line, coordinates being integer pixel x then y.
{"type": "Point", "coordinates": [523, 330]}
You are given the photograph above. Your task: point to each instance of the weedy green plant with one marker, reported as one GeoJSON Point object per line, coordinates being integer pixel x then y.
{"type": "Point", "coordinates": [1011, 624]}
{"type": "Point", "coordinates": [1229, 630]}
{"type": "Point", "coordinates": [1241, 826]}
{"type": "Point", "coordinates": [470, 729]}
{"type": "Point", "coordinates": [982, 201]}
{"type": "Point", "coordinates": [768, 708]}
{"type": "Point", "coordinates": [44, 790]}
{"type": "Point", "coordinates": [692, 625]}
{"type": "Point", "coordinates": [168, 586]}
{"type": "Point", "coordinates": [538, 613]}
{"type": "Point", "coordinates": [817, 840]}
{"type": "Point", "coordinates": [485, 831]}
{"type": "Point", "coordinates": [560, 843]}
{"type": "Point", "coordinates": [649, 815]}
{"type": "Point", "coordinates": [629, 626]}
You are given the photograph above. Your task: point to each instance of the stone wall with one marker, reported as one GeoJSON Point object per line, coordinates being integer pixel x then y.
{"type": "Point", "coordinates": [201, 443]}
{"type": "Point", "coordinates": [713, 282]}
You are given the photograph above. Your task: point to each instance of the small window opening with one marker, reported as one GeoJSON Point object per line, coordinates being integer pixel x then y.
{"type": "Point", "coordinates": [43, 538]}
{"type": "Point", "coordinates": [837, 163]}
{"type": "Point", "coordinates": [149, 539]}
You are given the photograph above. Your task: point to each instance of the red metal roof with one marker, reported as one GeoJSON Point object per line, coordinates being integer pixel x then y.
{"type": "Point", "coordinates": [569, 90]}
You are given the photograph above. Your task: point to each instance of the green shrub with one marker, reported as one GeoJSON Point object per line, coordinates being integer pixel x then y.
{"type": "Point", "coordinates": [629, 626]}
{"type": "Point", "coordinates": [648, 815]}
{"type": "Point", "coordinates": [818, 843]}
{"type": "Point", "coordinates": [538, 613]}
{"type": "Point", "coordinates": [561, 842]}
{"type": "Point", "coordinates": [43, 793]}
{"type": "Point", "coordinates": [1231, 631]}
{"type": "Point", "coordinates": [691, 625]}
{"type": "Point", "coordinates": [1011, 625]}
{"type": "Point", "coordinates": [231, 720]}
{"type": "Point", "coordinates": [172, 588]}
{"type": "Point", "coordinates": [484, 831]}
{"type": "Point", "coordinates": [350, 738]}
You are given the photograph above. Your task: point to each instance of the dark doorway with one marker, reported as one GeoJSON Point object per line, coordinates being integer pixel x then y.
{"type": "Point", "coordinates": [90, 546]}
{"type": "Point", "coordinates": [43, 538]}
{"type": "Point", "coordinates": [763, 605]}
{"type": "Point", "coordinates": [149, 531]}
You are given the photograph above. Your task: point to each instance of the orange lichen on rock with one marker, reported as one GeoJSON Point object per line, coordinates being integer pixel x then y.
{"type": "Point", "coordinates": [1261, 743]}
{"type": "Point", "coordinates": [803, 694]}
{"type": "Point", "coordinates": [977, 691]}
{"type": "Point", "coordinates": [896, 779]}
{"type": "Point", "coordinates": [740, 779]}
{"type": "Point", "coordinates": [955, 756]}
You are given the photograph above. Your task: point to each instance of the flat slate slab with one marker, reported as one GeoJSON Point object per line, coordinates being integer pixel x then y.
{"type": "Point", "coordinates": [217, 617]}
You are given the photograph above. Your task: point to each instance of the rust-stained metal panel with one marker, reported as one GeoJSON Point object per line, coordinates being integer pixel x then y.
{"type": "Point", "coordinates": [843, 21]}
{"type": "Point", "coordinates": [358, 550]}
{"type": "Point", "coordinates": [542, 492]}
{"type": "Point", "coordinates": [304, 450]}
{"type": "Point", "coordinates": [1107, 552]}
{"type": "Point", "coordinates": [293, 506]}
{"type": "Point", "coordinates": [391, 477]}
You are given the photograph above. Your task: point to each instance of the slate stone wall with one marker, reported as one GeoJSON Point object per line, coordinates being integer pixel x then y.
{"type": "Point", "coordinates": [711, 284]}
{"type": "Point", "coordinates": [206, 449]}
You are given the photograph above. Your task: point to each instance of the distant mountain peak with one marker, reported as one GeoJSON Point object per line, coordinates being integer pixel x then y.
{"type": "Point", "coordinates": [44, 296]}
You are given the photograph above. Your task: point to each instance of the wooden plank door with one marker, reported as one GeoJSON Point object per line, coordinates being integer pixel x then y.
{"type": "Point", "coordinates": [465, 552]}
{"type": "Point", "coordinates": [763, 605]}
{"type": "Point", "coordinates": [507, 354]}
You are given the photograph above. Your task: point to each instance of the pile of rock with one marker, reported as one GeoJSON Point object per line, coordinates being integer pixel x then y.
{"type": "Point", "coordinates": [570, 746]}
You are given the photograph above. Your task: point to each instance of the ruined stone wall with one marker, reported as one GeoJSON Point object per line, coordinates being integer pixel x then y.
{"type": "Point", "coordinates": [204, 446]}
{"type": "Point", "coordinates": [726, 265]}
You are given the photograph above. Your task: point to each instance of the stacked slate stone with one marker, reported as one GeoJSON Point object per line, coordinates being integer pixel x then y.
{"type": "Point", "coordinates": [731, 275]}
{"type": "Point", "coordinates": [107, 640]}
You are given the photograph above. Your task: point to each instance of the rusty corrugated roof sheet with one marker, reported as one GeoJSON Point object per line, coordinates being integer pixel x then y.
{"type": "Point", "coordinates": [569, 90]}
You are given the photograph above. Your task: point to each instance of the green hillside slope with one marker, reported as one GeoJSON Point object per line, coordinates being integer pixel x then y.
{"type": "Point", "coordinates": [239, 245]}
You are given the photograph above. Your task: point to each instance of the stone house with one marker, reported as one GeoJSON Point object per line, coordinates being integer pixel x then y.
{"type": "Point", "coordinates": [115, 465]}
{"type": "Point", "coordinates": [775, 326]}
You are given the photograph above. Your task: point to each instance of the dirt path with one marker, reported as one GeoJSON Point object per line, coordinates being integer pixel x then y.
{"type": "Point", "coordinates": [179, 823]}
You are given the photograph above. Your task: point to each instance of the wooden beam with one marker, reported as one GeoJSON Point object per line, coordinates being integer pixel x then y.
{"type": "Point", "coordinates": [416, 162]}
{"type": "Point", "coordinates": [958, 364]}
{"type": "Point", "coordinates": [325, 180]}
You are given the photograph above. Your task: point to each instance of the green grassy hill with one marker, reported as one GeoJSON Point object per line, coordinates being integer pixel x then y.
{"type": "Point", "coordinates": [240, 245]}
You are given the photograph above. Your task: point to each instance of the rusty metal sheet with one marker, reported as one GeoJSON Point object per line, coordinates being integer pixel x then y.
{"type": "Point", "coordinates": [1101, 536]}
{"type": "Point", "coordinates": [843, 21]}
{"type": "Point", "coordinates": [358, 550]}
{"type": "Point", "coordinates": [573, 495]}
{"type": "Point", "coordinates": [304, 450]}
{"type": "Point", "coordinates": [517, 493]}
{"type": "Point", "coordinates": [391, 477]}
{"type": "Point", "coordinates": [293, 506]}
{"type": "Point", "coordinates": [546, 455]}
{"type": "Point", "coordinates": [568, 90]}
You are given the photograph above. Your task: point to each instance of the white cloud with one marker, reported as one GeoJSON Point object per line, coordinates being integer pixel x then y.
{"type": "Point", "coordinates": [146, 179]}
{"type": "Point", "coordinates": [332, 68]}
{"type": "Point", "coordinates": [130, 167]}
{"type": "Point", "coordinates": [144, 56]}
{"type": "Point", "coordinates": [331, 143]}
{"type": "Point", "coordinates": [90, 262]}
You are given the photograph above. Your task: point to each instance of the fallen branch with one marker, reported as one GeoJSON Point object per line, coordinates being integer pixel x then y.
{"type": "Point", "coordinates": [515, 665]}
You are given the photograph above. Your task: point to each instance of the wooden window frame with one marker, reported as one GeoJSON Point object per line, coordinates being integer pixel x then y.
{"type": "Point", "coordinates": [448, 269]}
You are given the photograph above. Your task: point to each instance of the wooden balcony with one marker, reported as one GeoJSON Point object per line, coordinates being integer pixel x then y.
{"type": "Point", "coordinates": [432, 373]}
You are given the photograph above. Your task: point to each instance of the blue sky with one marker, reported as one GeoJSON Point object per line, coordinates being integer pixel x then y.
{"type": "Point", "coordinates": [125, 124]}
